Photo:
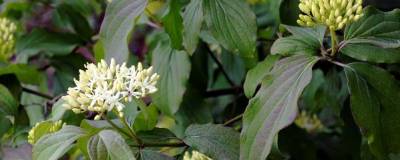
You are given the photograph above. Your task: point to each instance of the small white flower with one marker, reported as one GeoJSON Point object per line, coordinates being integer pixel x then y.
{"type": "Point", "coordinates": [104, 87]}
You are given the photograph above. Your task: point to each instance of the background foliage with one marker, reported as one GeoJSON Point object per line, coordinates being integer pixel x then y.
{"type": "Point", "coordinates": [217, 61]}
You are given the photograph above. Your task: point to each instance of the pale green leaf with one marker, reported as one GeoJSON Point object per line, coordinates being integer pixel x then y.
{"type": "Point", "coordinates": [233, 24]}
{"type": "Point", "coordinates": [257, 74]}
{"type": "Point", "coordinates": [275, 105]}
{"type": "Point", "coordinates": [173, 24]}
{"type": "Point", "coordinates": [304, 41]}
{"type": "Point", "coordinates": [54, 146]}
{"type": "Point", "coordinates": [192, 22]}
{"type": "Point", "coordinates": [117, 26]}
{"type": "Point", "coordinates": [174, 69]}
{"type": "Point", "coordinates": [116, 147]}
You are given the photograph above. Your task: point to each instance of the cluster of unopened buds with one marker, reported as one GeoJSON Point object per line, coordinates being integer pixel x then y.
{"type": "Point", "coordinates": [105, 87]}
{"type": "Point", "coordinates": [42, 128]}
{"type": "Point", "coordinates": [333, 13]}
{"type": "Point", "coordinates": [311, 123]}
{"type": "Point", "coordinates": [7, 37]}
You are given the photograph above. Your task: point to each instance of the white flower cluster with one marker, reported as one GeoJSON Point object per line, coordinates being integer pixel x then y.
{"type": "Point", "coordinates": [7, 37]}
{"type": "Point", "coordinates": [195, 155]}
{"type": "Point", "coordinates": [103, 87]}
{"type": "Point", "coordinates": [333, 13]}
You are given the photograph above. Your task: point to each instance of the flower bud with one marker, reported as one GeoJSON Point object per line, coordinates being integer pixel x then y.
{"type": "Point", "coordinates": [7, 38]}
{"type": "Point", "coordinates": [329, 12]}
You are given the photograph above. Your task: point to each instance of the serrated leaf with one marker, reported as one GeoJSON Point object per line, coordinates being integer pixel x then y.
{"type": "Point", "coordinates": [173, 24]}
{"type": "Point", "coordinates": [233, 24]}
{"type": "Point", "coordinates": [174, 69]}
{"type": "Point", "coordinates": [275, 105]}
{"type": "Point", "coordinates": [215, 141]}
{"type": "Point", "coordinates": [108, 144]}
{"type": "Point", "coordinates": [8, 104]}
{"type": "Point", "coordinates": [375, 37]}
{"type": "Point", "coordinates": [374, 100]}
{"type": "Point", "coordinates": [304, 41]}
{"type": "Point", "coordinates": [117, 26]}
{"type": "Point", "coordinates": [192, 22]}
{"type": "Point", "coordinates": [255, 76]}
{"type": "Point", "coordinates": [54, 146]}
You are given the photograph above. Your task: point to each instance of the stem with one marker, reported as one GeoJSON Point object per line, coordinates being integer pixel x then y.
{"type": "Point", "coordinates": [37, 93]}
{"type": "Point", "coordinates": [131, 132]}
{"type": "Point", "coordinates": [234, 119]}
{"type": "Point", "coordinates": [333, 42]}
{"type": "Point", "coordinates": [115, 126]}
{"type": "Point", "coordinates": [221, 67]}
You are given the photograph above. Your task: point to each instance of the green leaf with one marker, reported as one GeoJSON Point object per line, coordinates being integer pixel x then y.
{"type": "Point", "coordinates": [192, 22]}
{"type": "Point", "coordinates": [255, 76]}
{"type": "Point", "coordinates": [305, 41]}
{"type": "Point", "coordinates": [42, 129]}
{"type": "Point", "coordinates": [275, 105]}
{"type": "Point", "coordinates": [374, 99]}
{"type": "Point", "coordinates": [173, 24]}
{"type": "Point", "coordinates": [215, 141]}
{"type": "Point", "coordinates": [157, 135]}
{"type": "Point", "coordinates": [54, 146]}
{"type": "Point", "coordinates": [374, 38]}
{"type": "Point", "coordinates": [193, 110]}
{"type": "Point", "coordinates": [233, 24]}
{"type": "Point", "coordinates": [372, 53]}
{"type": "Point", "coordinates": [96, 149]}
{"type": "Point", "coordinates": [57, 110]}
{"type": "Point", "coordinates": [146, 119]}
{"type": "Point", "coordinates": [50, 44]}
{"type": "Point", "coordinates": [117, 26]}
{"type": "Point", "coordinates": [98, 50]}
{"type": "Point", "coordinates": [377, 28]}
{"type": "Point", "coordinates": [72, 16]}
{"type": "Point", "coordinates": [312, 35]}
{"type": "Point", "coordinates": [108, 144]}
{"type": "Point", "coordinates": [8, 105]}
{"type": "Point", "coordinates": [174, 69]}
{"type": "Point", "coordinates": [5, 124]}
{"type": "Point", "coordinates": [146, 154]}
{"type": "Point", "coordinates": [26, 74]}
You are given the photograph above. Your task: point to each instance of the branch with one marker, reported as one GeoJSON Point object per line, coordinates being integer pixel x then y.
{"type": "Point", "coordinates": [222, 92]}
{"type": "Point", "coordinates": [161, 144]}
{"type": "Point", "coordinates": [221, 67]}
{"type": "Point", "coordinates": [233, 120]}
{"type": "Point", "coordinates": [49, 97]}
